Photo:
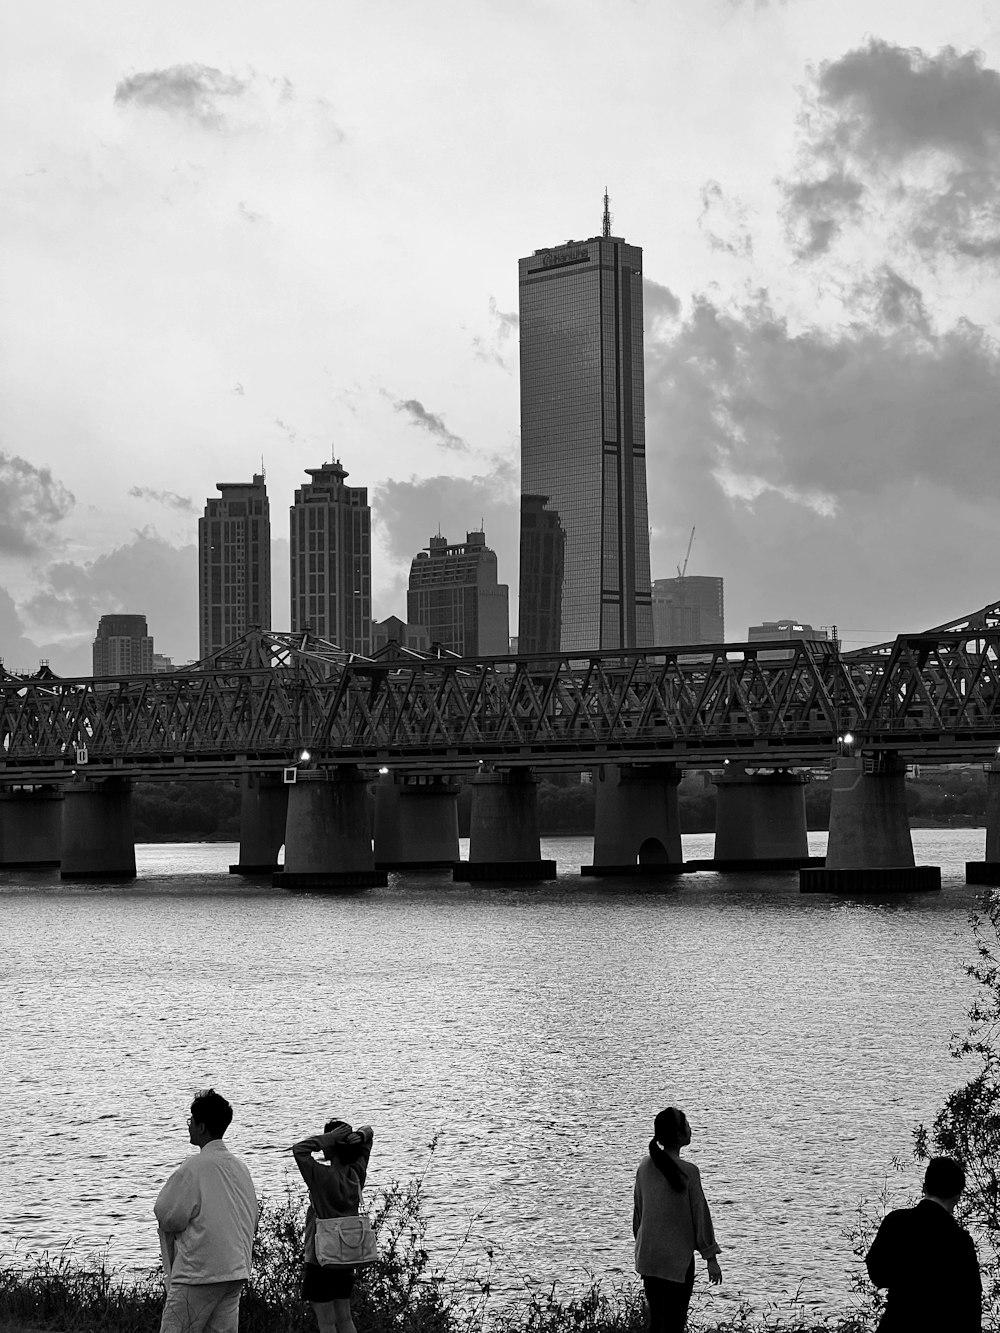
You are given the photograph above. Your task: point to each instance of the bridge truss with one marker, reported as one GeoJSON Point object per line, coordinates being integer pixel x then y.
{"type": "Point", "coordinates": [263, 701]}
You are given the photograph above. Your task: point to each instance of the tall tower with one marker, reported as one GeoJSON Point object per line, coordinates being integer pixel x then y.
{"type": "Point", "coordinates": [453, 590]}
{"type": "Point", "coordinates": [234, 564]}
{"type": "Point", "coordinates": [583, 442]}
{"type": "Point", "coordinates": [123, 646]}
{"type": "Point", "coordinates": [331, 559]}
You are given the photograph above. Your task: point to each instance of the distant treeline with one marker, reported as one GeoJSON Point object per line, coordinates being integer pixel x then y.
{"type": "Point", "coordinates": [207, 811]}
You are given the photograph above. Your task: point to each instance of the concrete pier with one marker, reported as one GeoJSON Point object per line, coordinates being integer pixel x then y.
{"type": "Point", "coordinates": [637, 827]}
{"type": "Point", "coordinates": [504, 843]}
{"type": "Point", "coordinates": [869, 848]}
{"type": "Point", "coordinates": [988, 870]}
{"type": "Point", "coordinates": [416, 822]}
{"type": "Point", "coordinates": [328, 844]}
{"type": "Point", "coordinates": [263, 812]}
{"type": "Point", "coordinates": [30, 826]}
{"type": "Point", "coordinates": [97, 839]}
{"type": "Point", "coordinates": [760, 820]}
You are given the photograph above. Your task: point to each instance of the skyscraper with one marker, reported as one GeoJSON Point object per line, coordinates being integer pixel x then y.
{"type": "Point", "coordinates": [454, 592]}
{"type": "Point", "coordinates": [688, 609]}
{"type": "Point", "coordinates": [234, 562]}
{"type": "Point", "coordinates": [331, 559]}
{"type": "Point", "coordinates": [583, 442]}
{"type": "Point", "coordinates": [123, 647]}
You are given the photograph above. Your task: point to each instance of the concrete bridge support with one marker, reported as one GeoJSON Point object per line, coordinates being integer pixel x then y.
{"type": "Point", "coordinates": [263, 811]}
{"type": "Point", "coordinates": [637, 827]}
{"type": "Point", "coordinates": [30, 826]}
{"type": "Point", "coordinates": [328, 843]}
{"type": "Point", "coordinates": [869, 848]}
{"type": "Point", "coordinates": [97, 840]}
{"type": "Point", "coordinates": [503, 837]}
{"type": "Point", "coordinates": [760, 820]}
{"type": "Point", "coordinates": [988, 871]}
{"type": "Point", "coordinates": [416, 823]}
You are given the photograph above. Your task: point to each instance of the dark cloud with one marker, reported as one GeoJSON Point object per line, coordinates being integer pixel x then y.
{"type": "Point", "coordinates": [660, 305]}
{"type": "Point", "coordinates": [147, 576]}
{"type": "Point", "coordinates": [32, 502]}
{"type": "Point", "coordinates": [841, 474]}
{"type": "Point", "coordinates": [196, 92]}
{"type": "Point", "coordinates": [169, 499]}
{"type": "Point", "coordinates": [407, 513]}
{"type": "Point", "coordinates": [431, 422]}
{"type": "Point", "coordinates": [892, 131]}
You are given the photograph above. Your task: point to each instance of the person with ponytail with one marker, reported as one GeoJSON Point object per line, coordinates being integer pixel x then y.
{"type": "Point", "coordinates": [670, 1221]}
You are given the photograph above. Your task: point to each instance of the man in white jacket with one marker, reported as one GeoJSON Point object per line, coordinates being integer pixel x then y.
{"type": "Point", "coordinates": [207, 1214]}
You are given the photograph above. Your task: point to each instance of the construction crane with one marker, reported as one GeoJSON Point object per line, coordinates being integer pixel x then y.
{"type": "Point", "coordinates": [687, 555]}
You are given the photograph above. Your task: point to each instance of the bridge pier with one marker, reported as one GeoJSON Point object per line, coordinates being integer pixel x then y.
{"type": "Point", "coordinates": [30, 826]}
{"type": "Point", "coordinates": [637, 828]}
{"type": "Point", "coordinates": [263, 812]}
{"type": "Point", "coordinates": [504, 842]}
{"type": "Point", "coordinates": [328, 843]}
{"type": "Point", "coordinates": [988, 871]}
{"type": "Point", "coordinates": [416, 823]}
{"type": "Point", "coordinates": [869, 848]}
{"type": "Point", "coordinates": [97, 840]}
{"type": "Point", "coordinates": [760, 820]}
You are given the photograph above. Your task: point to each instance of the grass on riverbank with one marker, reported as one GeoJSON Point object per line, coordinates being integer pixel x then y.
{"type": "Point", "coordinates": [403, 1293]}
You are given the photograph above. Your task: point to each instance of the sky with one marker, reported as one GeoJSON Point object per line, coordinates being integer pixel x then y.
{"type": "Point", "coordinates": [250, 233]}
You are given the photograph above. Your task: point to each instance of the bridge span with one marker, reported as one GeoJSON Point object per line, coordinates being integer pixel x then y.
{"type": "Point", "coordinates": [293, 708]}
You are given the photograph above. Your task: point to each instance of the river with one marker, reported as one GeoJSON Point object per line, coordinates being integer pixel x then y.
{"type": "Point", "coordinates": [536, 1029]}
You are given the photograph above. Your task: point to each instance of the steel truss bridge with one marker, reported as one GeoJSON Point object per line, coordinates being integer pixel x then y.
{"type": "Point", "coordinates": [933, 697]}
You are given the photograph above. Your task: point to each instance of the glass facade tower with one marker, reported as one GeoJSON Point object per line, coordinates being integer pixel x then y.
{"type": "Point", "coordinates": [583, 448]}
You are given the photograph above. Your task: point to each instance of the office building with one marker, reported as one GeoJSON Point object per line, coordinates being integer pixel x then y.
{"type": "Point", "coordinates": [783, 629]}
{"type": "Point", "coordinates": [234, 564]}
{"type": "Point", "coordinates": [454, 591]}
{"type": "Point", "coordinates": [688, 609]}
{"type": "Point", "coordinates": [583, 451]}
{"type": "Point", "coordinates": [392, 630]}
{"type": "Point", "coordinates": [123, 647]}
{"type": "Point", "coordinates": [331, 584]}
{"type": "Point", "coordinates": [543, 567]}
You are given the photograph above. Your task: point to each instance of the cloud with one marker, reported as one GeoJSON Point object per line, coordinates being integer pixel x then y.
{"type": "Point", "coordinates": [430, 421]}
{"type": "Point", "coordinates": [504, 327]}
{"type": "Point", "coordinates": [145, 576]}
{"type": "Point", "coordinates": [169, 499]}
{"type": "Point", "coordinates": [723, 222]}
{"type": "Point", "coordinates": [892, 132]}
{"type": "Point", "coordinates": [32, 502]}
{"type": "Point", "coordinates": [193, 91]}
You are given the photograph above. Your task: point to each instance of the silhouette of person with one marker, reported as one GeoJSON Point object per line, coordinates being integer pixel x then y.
{"type": "Point", "coordinates": [334, 1191]}
{"type": "Point", "coordinates": [927, 1261]}
{"type": "Point", "coordinates": [207, 1214]}
{"type": "Point", "coordinates": [670, 1221]}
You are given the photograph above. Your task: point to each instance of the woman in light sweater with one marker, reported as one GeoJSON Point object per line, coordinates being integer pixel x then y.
{"type": "Point", "coordinates": [334, 1191]}
{"type": "Point", "coordinates": [670, 1221]}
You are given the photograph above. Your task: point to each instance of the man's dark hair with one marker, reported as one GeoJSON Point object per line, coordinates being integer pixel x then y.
{"type": "Point", "coordinates": [213, 1111]}
{"type": "Point", "coordinates": [944, 1178]}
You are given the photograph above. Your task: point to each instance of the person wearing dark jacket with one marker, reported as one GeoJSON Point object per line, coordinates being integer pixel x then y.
{"type": "Point", "coordinates": [928, 1262]}
{"type": "Point", "coordinates": [334, 1191]}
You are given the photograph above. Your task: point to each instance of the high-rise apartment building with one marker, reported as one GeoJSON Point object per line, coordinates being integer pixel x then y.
{"type": "Point", "coordinates": [331, 559]}
{"type": "Point", "coordinates": [234, 563]}
{"type": "Point", "coordinates": [123, 647]}
{"type": "Point", "coordinates": [583, 443]}
{"type": "Point", "coordinates": [454, 591]}
{"type": "Point", "coordinates": [688, 609]}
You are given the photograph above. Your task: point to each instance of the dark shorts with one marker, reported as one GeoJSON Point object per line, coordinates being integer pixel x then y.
{"type": "Point", "coordinates": [320, 1285]}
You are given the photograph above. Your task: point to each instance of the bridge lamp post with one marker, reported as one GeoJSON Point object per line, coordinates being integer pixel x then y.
{"type": "Point", "coordinates": [845, 744]}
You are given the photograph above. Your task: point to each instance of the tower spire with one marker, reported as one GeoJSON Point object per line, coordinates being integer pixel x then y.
{"type": "Point", "coordinates": [607, 213]}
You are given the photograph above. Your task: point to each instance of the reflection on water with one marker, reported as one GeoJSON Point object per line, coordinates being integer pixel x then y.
{"type": "Point", "coordinates": [538, 1028]}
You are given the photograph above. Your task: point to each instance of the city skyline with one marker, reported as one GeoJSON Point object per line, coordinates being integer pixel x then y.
{"type": "Point", "coordinates": [228, 244]}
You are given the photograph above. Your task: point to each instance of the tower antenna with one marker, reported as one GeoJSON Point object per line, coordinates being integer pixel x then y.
{"type": "Point", "coordinates": [607, 213]}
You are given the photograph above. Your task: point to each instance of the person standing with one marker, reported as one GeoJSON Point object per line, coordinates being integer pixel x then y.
{"type": "Point", "coordinates": [207, 1214]}
{"type": "Point", "coordinates": [927, 1261]}
{"type": "Point", "coordinates": [335, 1187]}
{"type": "Point", "coordinates": [670, 1221]}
